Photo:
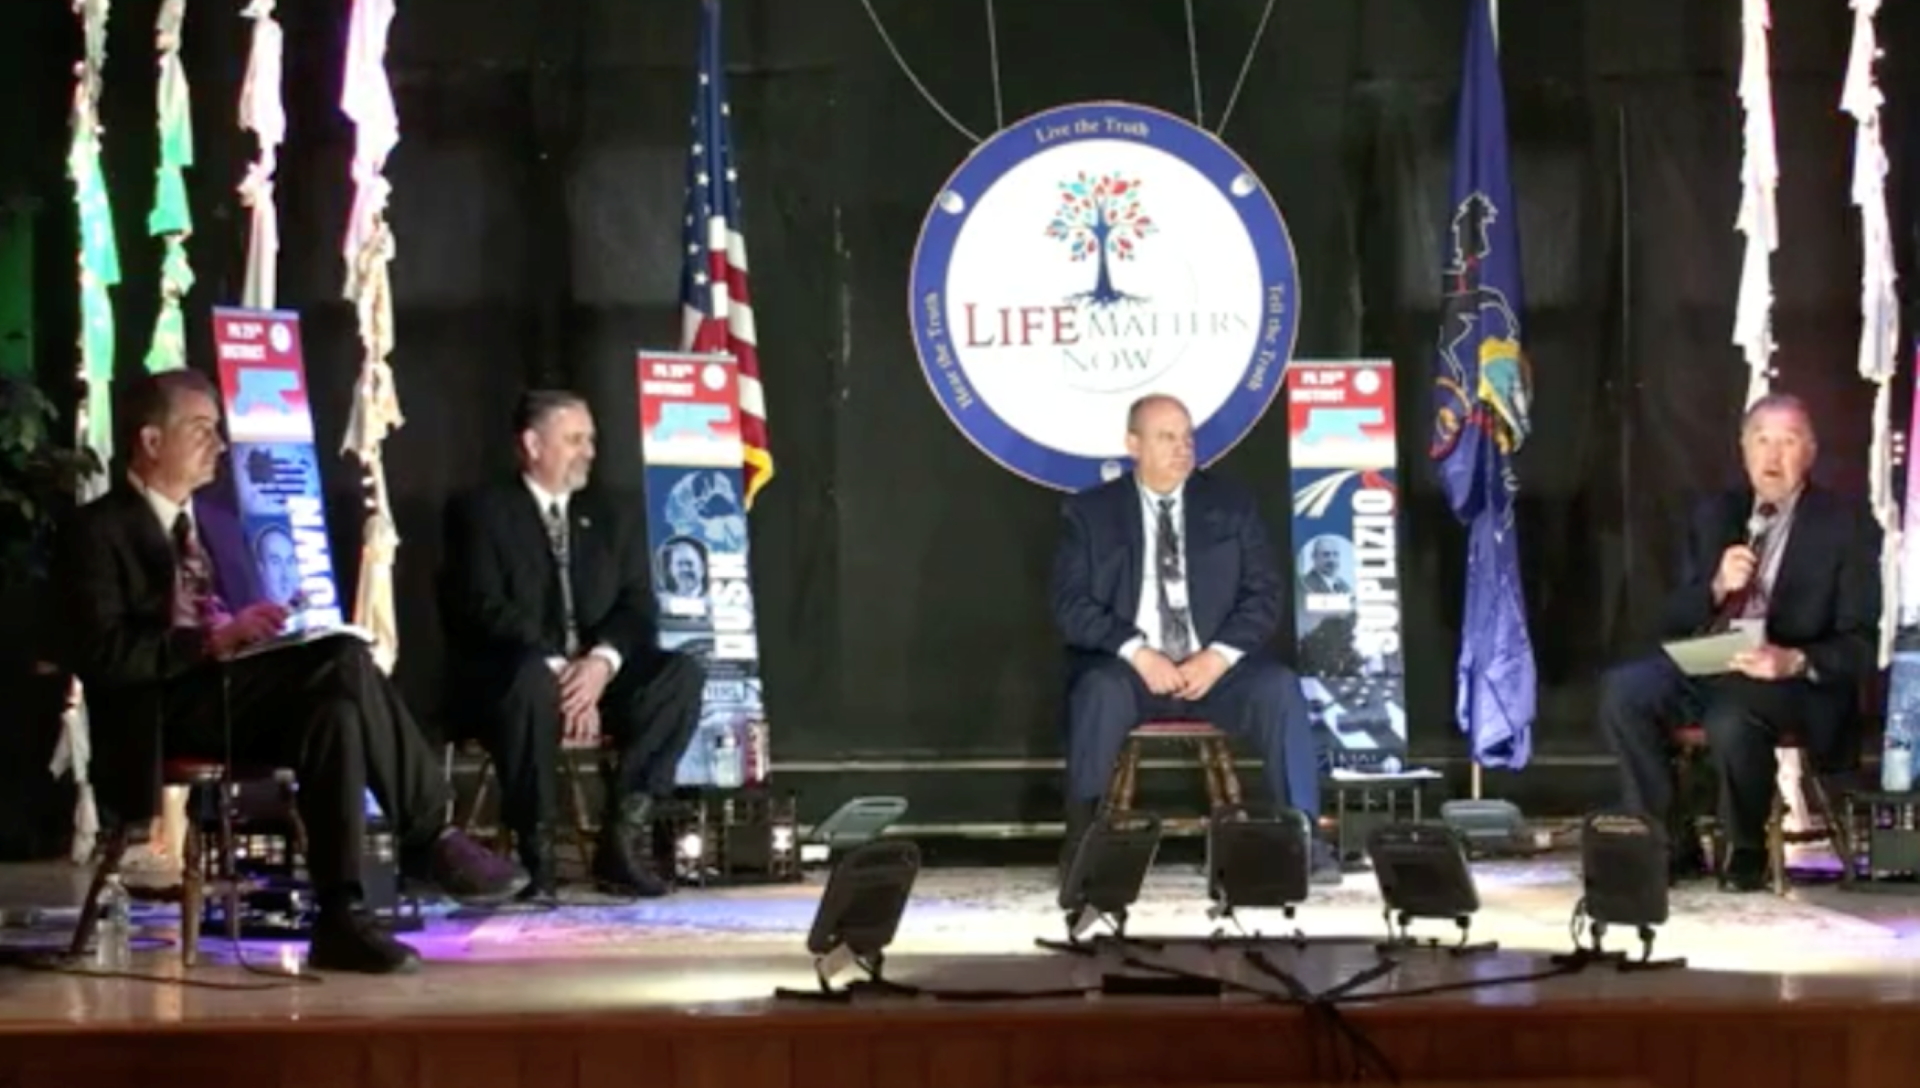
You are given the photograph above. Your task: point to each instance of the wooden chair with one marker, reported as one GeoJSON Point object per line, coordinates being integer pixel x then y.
{"type": "Point", "coordinates": [1690, 746]}
{"type": "Point", "coordinates": [579, 812]}
{"type": "Point", "coordinates": [202, 871]}
{"type": "Point", "coordinates": [1216, 763]}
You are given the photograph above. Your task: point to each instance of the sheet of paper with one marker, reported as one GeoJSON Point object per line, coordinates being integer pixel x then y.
{"type": "Point", "coordinates": [1709, 655]}
{"type": "Point", "coordinates": [302, 638]}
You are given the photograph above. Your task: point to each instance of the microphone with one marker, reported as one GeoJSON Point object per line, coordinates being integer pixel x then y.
{"type": "Point", "coordinates": [1758, 527]}
{"type": "Point", "coordinates": [1760, 524]}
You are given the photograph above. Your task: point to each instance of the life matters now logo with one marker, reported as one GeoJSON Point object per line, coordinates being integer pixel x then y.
{"type": "Point", "coordinates": [1090, 255]}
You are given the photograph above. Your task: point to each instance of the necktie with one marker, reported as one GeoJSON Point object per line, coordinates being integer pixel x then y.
{"type": "Point", "coordinates": [1174, 640]}
{"type": "Point", "coordinates": [1753, 605]}
{"type": "Point", "coordinates": [196, 604]}
{"type": "Point", "coordinates": [557, 540]}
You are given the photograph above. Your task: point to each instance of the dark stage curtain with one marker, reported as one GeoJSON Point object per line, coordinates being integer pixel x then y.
{"type": "Point", "coordinates": [900, 574]}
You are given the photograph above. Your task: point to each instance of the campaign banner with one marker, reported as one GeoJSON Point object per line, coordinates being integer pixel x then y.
{"type": "Point", "coordinates": [697, 534]}
{"type": "Point", "coordinates": [278, 500]}
{"type": "Point", "coordinates": [1346, 531]}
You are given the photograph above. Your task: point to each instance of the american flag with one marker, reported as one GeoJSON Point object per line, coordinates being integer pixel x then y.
{"type": "Point", "coordinates": [716, 307]}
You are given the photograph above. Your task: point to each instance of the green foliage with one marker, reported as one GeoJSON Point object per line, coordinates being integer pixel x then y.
{"type": "Point", "coordinates": [38, 477]}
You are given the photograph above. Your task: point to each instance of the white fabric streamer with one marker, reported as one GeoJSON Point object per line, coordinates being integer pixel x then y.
{"type": "Point", "coordinates": [367, 97]}
{"type": "Point", "coordinates": [1759, 178]}
{"type": "Point", "coordinates": [262, 113]}
{"type": "Point", "coordinates": [1879, 300]}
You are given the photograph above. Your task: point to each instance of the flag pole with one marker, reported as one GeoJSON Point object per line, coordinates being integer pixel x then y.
{"type": "Point", "coordinates": [1475, 783]}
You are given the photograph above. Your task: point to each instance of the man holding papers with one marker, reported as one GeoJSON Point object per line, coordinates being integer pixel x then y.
{"type": "Point", "coordinates": [1793, 571]}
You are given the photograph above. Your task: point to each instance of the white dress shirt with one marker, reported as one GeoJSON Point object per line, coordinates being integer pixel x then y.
{"type": "Point", "coordinates": [1146, 618]}
{"type": "Point", "coordinates": [546, 501]}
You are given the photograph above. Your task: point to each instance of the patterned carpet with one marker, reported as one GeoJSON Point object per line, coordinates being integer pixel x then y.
{"type": "Point", "coordinates": [1524, 905]}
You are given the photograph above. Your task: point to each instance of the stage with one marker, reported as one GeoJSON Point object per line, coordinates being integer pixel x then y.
{"type": "Point", "coordinates": [1813, 989]}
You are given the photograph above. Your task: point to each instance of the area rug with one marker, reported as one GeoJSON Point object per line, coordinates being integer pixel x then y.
{"type": "Point", "coordinates": [1524, 905]}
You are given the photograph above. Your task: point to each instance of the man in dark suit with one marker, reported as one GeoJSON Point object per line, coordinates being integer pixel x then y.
{"type": "Point", "coordinates": [155, 646]}
{"type": "Point", "coordinates": [539, 654]}
{"type": "Point", "coordinates": [1165, 589]}
{"type": "Point", "coordinates": [1801, 564]}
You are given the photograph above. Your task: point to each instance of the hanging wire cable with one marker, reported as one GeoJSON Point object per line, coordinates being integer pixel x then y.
{"type": "Point", "coordinates": [1246, 65]}
{"type": "Point", "coordinates": [907, 70]}
{"type": "Point", "coordinates": [1193, 62]}
{"type": "Point", "coordinates": [993, 61]}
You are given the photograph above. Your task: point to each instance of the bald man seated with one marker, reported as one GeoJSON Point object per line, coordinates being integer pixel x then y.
{"type": "Point", "coordinates": [1167, 594]}
{"type": "Point", "coordinates": [1799, 563]}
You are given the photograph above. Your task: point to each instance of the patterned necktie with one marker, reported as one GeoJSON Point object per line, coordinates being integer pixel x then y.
{"type": "Point", "coordinates": [1753, 604]}
{"type": "Point", "coordinates": [1174, 640]}
{"type": "Point", "coordinates": [196, 603]}
{"type": "Point", "coordinates": [557, 539]}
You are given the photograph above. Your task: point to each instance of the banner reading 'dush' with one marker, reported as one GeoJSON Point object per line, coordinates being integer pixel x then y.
{"type": "Point", "coordinates": [1346, 530]}
{"type": "Point", "coordinates": [276, 471]}
{"type": "Point", "coordinates": [697, 533]}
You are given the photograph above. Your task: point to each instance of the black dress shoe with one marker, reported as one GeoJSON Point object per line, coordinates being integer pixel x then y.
{"type": "Point", "coordinates": [623, 862]}
{"type": "Point", "coordinates": [1746, 870]}
{"type": "Point", "coordinates": [1687, 865]}
{"type": "Point", "coordinates": [347, 940]}
{"type": "Point", "coordinates": [537, 857]}
{"type": "Point", "coordinates": [1325, 867]}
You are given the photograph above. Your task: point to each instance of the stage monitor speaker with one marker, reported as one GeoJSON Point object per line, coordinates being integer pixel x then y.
{"type": "Point", "coordinates": [861, 909]}
{"type": "Point", "coordinates": [1107, 870]}
{"type": "Point", "coordinates": [860, 820]}
{"type": "Point", "coordinates": [1257, 863]}
{"type": "Point", "coordinates": [1423, 873]}
{"type": "Point", "coordinates": [1623, 862]}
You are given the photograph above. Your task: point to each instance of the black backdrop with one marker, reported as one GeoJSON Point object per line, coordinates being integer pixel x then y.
{"type": "Point", "coordinates": [537, 210]}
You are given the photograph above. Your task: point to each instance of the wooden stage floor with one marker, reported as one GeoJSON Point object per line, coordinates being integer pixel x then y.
{"type": "Point", "coordinates": [1817, 989]}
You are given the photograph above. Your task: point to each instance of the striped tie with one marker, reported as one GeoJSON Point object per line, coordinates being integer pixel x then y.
{"type": "Point", "coordinates": [557, 539]}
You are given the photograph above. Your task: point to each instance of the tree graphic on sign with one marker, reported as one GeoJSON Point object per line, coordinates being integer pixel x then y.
{"type": "Point", "coordinates": [1101, 219]}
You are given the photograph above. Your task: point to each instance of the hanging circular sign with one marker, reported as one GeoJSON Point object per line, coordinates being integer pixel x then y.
{"type": "Point", "coordinates": [1085, 257]}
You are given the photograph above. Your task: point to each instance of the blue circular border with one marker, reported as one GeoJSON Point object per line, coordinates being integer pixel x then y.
{"type": "Point", "coordinates": [1272, 247]}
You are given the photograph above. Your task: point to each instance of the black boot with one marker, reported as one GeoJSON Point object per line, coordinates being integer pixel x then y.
{"type": "Point", "coordinates": [623, 862]}
{"type": "Point", "coordinates": [536, 856]}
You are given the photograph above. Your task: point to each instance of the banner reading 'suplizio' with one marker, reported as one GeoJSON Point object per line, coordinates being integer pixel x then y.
{"type": "Point", "coordinates": [697, 533]}
{"type": "Point", "coordinates": [276, 473]}
{"type": "Point", "coordinates": [1346, 531]}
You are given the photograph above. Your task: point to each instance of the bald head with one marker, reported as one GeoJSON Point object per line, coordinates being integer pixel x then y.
{"type": "Point", "coordinates": [1160, 441]}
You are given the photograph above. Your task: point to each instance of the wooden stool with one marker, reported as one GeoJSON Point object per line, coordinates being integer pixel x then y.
{"type": "Point", "coordinates": [1216, 762]}
{"type": "Point", "coordinates": [579, 813]}
{"type": "Point", "coordinates": [1690, 745]}
{"type": "Point", "coordinates": [197, 877]}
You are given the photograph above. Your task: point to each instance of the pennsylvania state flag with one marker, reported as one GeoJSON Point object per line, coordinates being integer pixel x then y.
{"type": "Point", "coordinates": [1481, 398]}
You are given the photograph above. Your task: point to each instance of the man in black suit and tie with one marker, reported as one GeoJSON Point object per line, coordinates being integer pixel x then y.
{"type": "Point", "coordinates": [150, 637]}
{"type": "Point", "coordinates": [1165, 589]}
{"type": "Point", "coordinates": [550, 614]}
{"type": "Point", "coordinates": [1803, 565]}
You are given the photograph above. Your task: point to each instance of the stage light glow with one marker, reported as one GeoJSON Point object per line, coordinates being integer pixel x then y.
{"type": "Point", "coordinates": [690, 847]}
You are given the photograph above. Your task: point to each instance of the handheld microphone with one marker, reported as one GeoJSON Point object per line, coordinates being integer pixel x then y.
{"type": "Point", "coordinates": [1760, 524]}
{"type": "Point", "coordinates": [1758, 527]}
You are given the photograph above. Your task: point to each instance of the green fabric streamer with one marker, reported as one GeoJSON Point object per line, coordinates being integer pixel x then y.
{"type": "Point", "coordinates": [99, 253]}
{"type": "Point", "coordinates": [171, 218]}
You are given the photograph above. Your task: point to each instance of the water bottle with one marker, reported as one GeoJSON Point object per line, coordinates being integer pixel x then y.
{"type": "Point", "coordinates": [724, 769]}
{"type": "Point", "coordinates": [113, 934]}
{"type": "Point", "coordinates": [1903, 706]}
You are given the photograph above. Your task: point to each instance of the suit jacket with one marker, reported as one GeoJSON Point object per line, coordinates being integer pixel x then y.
{"type": "Point", "coordinates": [1825, 600]}
{"type": "Point", "coordinates": [113, 583]}
{"type": "Point", "coordinates": [1233, 587]}
{"type": "Point", "coordinates": [500, 588]}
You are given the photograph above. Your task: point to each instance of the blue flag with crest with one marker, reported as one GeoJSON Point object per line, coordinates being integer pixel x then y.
{"type": "Point", "coordinates": [1481, 401]}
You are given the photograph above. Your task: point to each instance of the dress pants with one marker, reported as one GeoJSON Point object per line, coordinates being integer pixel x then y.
{"type": "Point", "coordinates": [1641, 702]}
{"type": "Point", "coordinates": [1258, 700]}
{"type": "Point", "coordinates": [328, 712]}
{"type": "Point", "coordinates": [648, 713]}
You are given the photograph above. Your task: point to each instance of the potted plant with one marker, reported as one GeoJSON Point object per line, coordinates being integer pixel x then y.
{"type": "Point", "coordinates": [39, 480]}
